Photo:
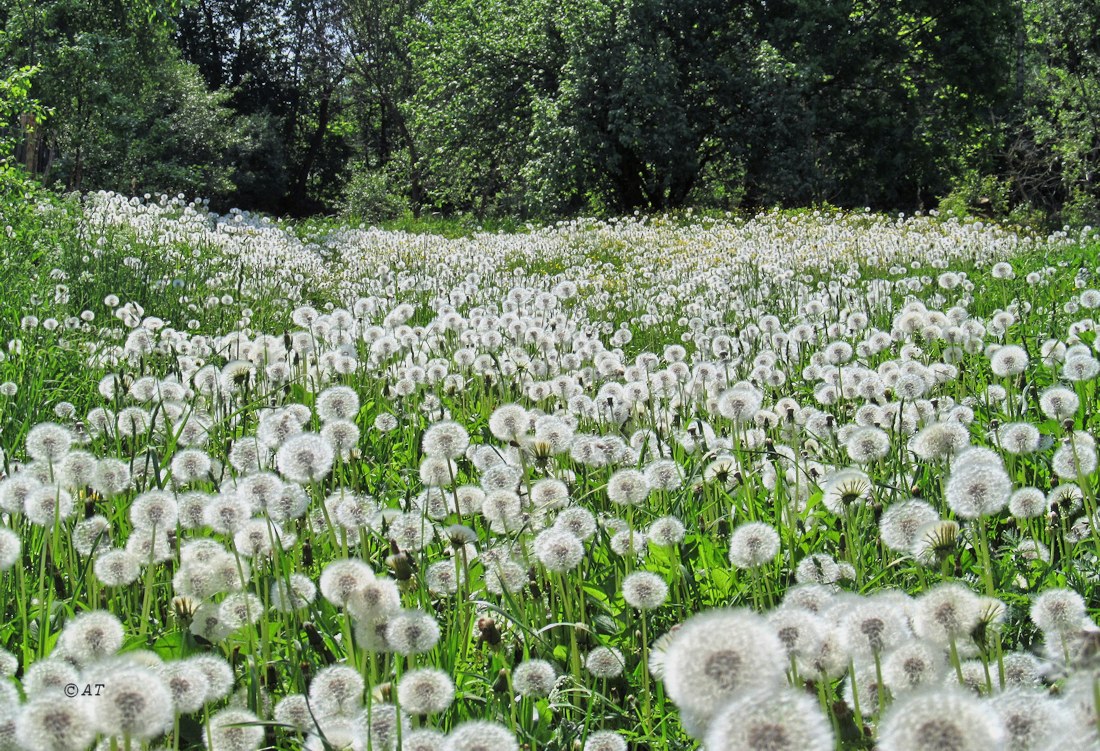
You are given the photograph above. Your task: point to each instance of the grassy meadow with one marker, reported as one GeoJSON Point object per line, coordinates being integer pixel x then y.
{"type": "Point", "coordinates": [802, 480]}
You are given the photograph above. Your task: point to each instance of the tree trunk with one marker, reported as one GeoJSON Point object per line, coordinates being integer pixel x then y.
{"type": "Point", "coordinates": [298, 191]}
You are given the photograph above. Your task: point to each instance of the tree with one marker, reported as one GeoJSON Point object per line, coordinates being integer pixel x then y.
{"type": "Point", "coordinates": [127, 114]}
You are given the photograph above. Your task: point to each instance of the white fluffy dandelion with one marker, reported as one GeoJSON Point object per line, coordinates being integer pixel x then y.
{"type": "Point", "coordinates": [753, 544]}
{"type": "Point", "coordinates": [305, 458]}
{"type": "Point", "coordinates": [718, 655]}
{"type": "Point", "coordinates": [779, 719]}
{"type": "Point", "coordinates": [425, 691]}
{"type": "Point", "coordinates": [940, 719]}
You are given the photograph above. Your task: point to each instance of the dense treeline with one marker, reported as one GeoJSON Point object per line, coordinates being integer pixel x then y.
{"type": "Point", "coordinates": [536, 108]}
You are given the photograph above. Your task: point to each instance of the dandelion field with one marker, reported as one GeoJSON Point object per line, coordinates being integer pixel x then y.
{"type": "Point", "coordinates": [805, 480]}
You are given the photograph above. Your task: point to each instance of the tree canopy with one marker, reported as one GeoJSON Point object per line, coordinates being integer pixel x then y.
{"type": "Point", "coordinates": [538, 109]}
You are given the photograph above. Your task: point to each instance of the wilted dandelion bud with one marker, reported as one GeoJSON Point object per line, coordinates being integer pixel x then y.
{"type": "Point", "coordinates": [401, 564]}
{"type": "Point", "coordinates": [488, 632]}
{"type": "Point", "coordinates": [935, 541]}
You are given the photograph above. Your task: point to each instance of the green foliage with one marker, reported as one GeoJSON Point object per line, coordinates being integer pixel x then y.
{"type": "Point", "coordinates": [373, 196]}
{"type": "Point", "coordinates": [549, 109]}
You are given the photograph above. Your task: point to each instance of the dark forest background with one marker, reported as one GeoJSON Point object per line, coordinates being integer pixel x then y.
{"type": "Point", "coordinates": [549, 108]}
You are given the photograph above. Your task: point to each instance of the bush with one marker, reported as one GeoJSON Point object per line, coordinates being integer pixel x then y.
{"type": "Point", "coordinates": [373, 196]}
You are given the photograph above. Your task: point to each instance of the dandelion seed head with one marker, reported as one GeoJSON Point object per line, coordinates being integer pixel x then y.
{"type": "Point", "coordinates": [875, 625]}
{"type": "Point", "coordinates": [296, 594]}
{"type": "Point", "coordinates": [946, 612]}
{"type": "Point", "coordinates": [1059, 402]}
{"type": "Point", "coordinates": [134, 702]}
{"type": "Point", "coordinates": [112, 477]}
{"type": "Point", "coordinates": [336, 690]}
{"type": "Point", "coordinates": [558, 549]}
{"type": "Point", "coordinates": [1019, 438]}
{"type": "Point", "coordinates": [605, 740]}
{"type": "Point", "coordinates": [505, 576]}
{"type": "Point", "coordinates": [977, 488]}
{"type": "Point", "coordinates": [187, 684]}
{"type": "Point", "coordinates": [1008, 361]}
{"type": "Point", "coordinates": [77, 470]}
{"type": "Point", "coordinates": [1058, 610]}
{"type": "Point", "coordinates": [305, 458]}
{"type": "Point", "coordinates": [50, 725]}
{"type": "Point", "coordinates": [425, 691]}
{"type": "Point", "coordinates": [117, 568]}
{"type": "Point", "coordinates": [911, 664]}
{"type": "Point", "coordinates": [846, 489]}
{"type": "Point", "coordinates": [337, 403]}
{"type": "Point", "coordinates": [940, 440]}
{"type": "Point", "coordinates": [49, 675]}
{"type": "Point", "coordinates": [446, 439]}
{"type": "Point", "coordinates": [294, 710]}
{"type": "Point", "coordinates": [342, 579]}
{"type": "Point", "coordinates": [534, 678]}
{"type": "Point", "coordinates": [901, 522]}
{"type": "Point", "coordinates": [46, 504]}
{"type": "Point", "coordinates": [48, 442]}
{"type": "Point", "coordinates": [578, 521]}
{"type": "Point", "coordinates": [1027, 503]}
{"type": "Point", "coordinates": [91, 637]}
{"type": "Point", "coordinates": [719, 654]}
{"type": "Point", "coordinates": [480, 735]}
{"type": "Point", "coordinates": [154, 509]}
{"type": "Point", "coordinates": [644, 590]}
{"type": "Point", "coordinates": [940, 719]}
{"type": "Point", "coordinates": [509, 422]}
{"type": "Point", "coordinates": [412, 632]}
{"type": "Point", "coordinates": [753, 544]}
{"type": "Point", "coordinates": [605, 662]}
{"type": "Point", "coordinates": [423, 739]}
{"type": "Point", "coordinates": [818, 568]}
{"type": "Point", "coordinates": [775, 719]}
{"type": "Point", "coordinates": [233, 730]}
